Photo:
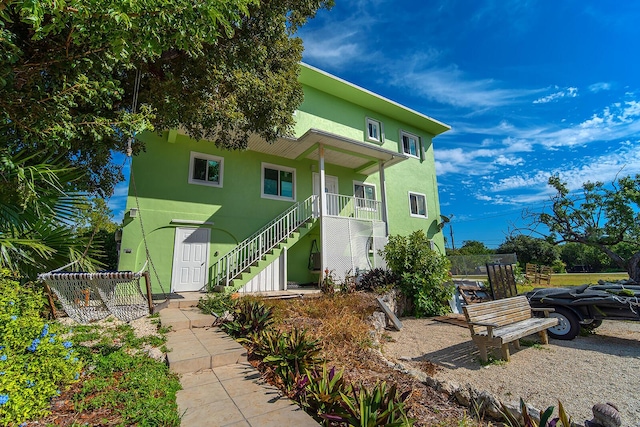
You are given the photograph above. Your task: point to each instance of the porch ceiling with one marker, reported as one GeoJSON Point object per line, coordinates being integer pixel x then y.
{"type": "Point", "coordinates": [356, 155]}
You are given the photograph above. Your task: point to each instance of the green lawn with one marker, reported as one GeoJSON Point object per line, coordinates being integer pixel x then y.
{"type": "Point", "coordinates": [566, 279]}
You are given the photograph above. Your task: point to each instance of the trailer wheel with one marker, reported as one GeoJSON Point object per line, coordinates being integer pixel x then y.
{"type": "Point", "coordinates": [568, 325]}
{"type": "Point", "coordinates": [592, 325]}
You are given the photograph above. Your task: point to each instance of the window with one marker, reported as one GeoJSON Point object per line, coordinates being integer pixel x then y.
{"type": "Point", "coordinates": [418, 205]}
{"type": "Point", "coordinates": [205, 169]}
{"type": "Point", "coordinates": [278, 182]}
{"type": "Point", "coordinates": [374, 130]}
{"type": "Point", "coordinates": [365, 194]}
{"type": "Point", "coordinates": [410, 144]}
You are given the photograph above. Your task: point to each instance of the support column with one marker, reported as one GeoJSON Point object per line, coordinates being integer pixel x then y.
{"type": "Point", "coordinates": [323, 209]}
{"type": "Point", "coordinates": [383, 196]}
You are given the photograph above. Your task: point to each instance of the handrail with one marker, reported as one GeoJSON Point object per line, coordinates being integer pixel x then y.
{"type": "Point", "coordinates": [252, 248]}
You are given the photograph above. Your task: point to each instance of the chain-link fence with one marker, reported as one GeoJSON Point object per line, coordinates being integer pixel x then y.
{"type": "Point", "coordinates": [469, 265]}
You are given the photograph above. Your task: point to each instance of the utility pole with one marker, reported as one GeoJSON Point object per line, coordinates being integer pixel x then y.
{"type": "Point", "coordinates": [453, 243]}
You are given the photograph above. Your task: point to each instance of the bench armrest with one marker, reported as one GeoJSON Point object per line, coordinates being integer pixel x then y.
{"type": "Point", "coordinates": [546, 311]}
{"type": "Point", "coordinates": [487, 325]}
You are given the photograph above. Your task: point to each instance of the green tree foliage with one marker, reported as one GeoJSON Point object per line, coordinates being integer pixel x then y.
{"type": "Point", "coordinates": [604, 217]}
{"type": "Point", "coordinates": [530, 250]}
{"type": "Point", "coordinates": [424, 273]}
{"type": "Point", "coordinates": [474, 247]}
{"type": "Point", "coordinates": [471, 247]}
{"type": "Point", "coordinates": [95, 222]}
{"type": "Point", "coordinates": [222, 69]}
{"type": "Point", "coordinates": [575, 255]}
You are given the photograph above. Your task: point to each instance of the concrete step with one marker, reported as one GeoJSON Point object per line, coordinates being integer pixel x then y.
{"type": "Point", "coordinates": [185, 318]}
{"type": "Point", "coordinates": [192, 350]}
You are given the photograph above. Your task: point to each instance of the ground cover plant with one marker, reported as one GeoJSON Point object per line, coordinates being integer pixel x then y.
{"type": "Point", "coordinates": [120, 385]}
{"type": "Point", "coordinates": [61, 373]}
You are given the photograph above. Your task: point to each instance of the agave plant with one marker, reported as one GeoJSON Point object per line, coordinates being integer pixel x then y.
{"type": "Point", "coordinates": [378, 407]}
{"type": "Point", "coordinates": [320, 392]}
{"type": "Point", "coordinates": [291, 354]}
{"type": "Point", "coordinates": [250, 316]}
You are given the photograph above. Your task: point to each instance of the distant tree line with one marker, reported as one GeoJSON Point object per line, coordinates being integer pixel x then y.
{"type": "Point", "coordinates": [567, 257]}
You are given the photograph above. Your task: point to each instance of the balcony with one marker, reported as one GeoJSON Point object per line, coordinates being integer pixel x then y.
{"type": "Point", "coordinates": [339, 205]}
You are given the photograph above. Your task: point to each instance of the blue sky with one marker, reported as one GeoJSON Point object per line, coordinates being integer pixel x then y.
{"type": "Point", "coordinates": [530, 89]}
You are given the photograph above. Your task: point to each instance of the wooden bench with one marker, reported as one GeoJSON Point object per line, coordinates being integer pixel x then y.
{"type": "Point", "coordinates": [500, 322]}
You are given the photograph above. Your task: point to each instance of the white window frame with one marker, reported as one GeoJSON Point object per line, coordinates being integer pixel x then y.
{"type": "Point", "coordinates": [279, 168]}
{"type": "Point", "coordinates": [418, 144]}
{"type": "Point", "coordinates": [375, 196]}
{"type": "Point", "coordinates": [378, 124]}
{"type": "Point", "coordinates": [426, 208]}
{"type": "Point", "coordinates": [195, 155]}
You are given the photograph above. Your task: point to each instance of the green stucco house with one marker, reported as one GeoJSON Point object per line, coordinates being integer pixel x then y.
{"type": "Point", "coordinates": [256, 220]}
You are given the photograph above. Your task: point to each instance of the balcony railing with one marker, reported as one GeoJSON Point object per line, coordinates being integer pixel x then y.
{"type": "Point", "coordinates": [353, 207]}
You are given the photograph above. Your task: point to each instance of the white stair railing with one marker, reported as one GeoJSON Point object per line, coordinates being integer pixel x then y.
{"type": "Point", "coordinates": [254, 247]}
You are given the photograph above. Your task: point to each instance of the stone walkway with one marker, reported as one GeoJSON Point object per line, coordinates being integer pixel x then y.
{"type": "Point", "coordinates": [219, 387]}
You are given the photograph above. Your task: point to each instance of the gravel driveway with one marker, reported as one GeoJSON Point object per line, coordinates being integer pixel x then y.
{"type": "Point", "coordinates": [603, 367]}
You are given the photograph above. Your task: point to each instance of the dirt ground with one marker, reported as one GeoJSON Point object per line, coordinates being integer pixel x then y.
{"type": "Point", "coordinates": [601, 367]}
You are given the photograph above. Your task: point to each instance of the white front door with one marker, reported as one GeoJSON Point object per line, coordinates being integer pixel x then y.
{"type": "Point", "coordinates": [190, 259]}
{"type": "Point", "coordinates": [331, 187]}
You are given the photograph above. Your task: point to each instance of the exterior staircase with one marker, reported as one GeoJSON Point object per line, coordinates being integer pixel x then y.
{"type": "Point", "coordinates": [251, 271]}
{"type": "Point", "coordinates": [262, 248]}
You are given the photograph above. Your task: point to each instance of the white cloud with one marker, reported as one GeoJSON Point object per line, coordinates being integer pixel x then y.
{"type": "Point", "coordinates": [570, 92]}
{"type": "Point", "coordinates": [508, 161]}
{"type": "Point", "coordinates": [598, 87]}
{"type": "Point", "coordinates": [532, 188]}
{"type": "Point", "coordinates": [615, 122]}
{"type": "Point", "coordinates": [449, 85]}
{"type": "Point", "coordinates": [519, 182]}
{"type": "Point", "coordinates": [334, 50]}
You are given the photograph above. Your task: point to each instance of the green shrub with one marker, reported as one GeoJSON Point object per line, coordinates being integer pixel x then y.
{"type": "Point", "coordinates": [378, 407]}
{"type": "Point", "coordinates": [250, 316]}
{"type": "Point", "coordinates": [424, 273]}
{"type": "Point", "coordinates": [36, 360]}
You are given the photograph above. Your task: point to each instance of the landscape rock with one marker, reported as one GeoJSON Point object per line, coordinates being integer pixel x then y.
{"type": "Point", "coordinates": [606, 415]}
{"type": "Point", "coordinates": [462, 396]}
